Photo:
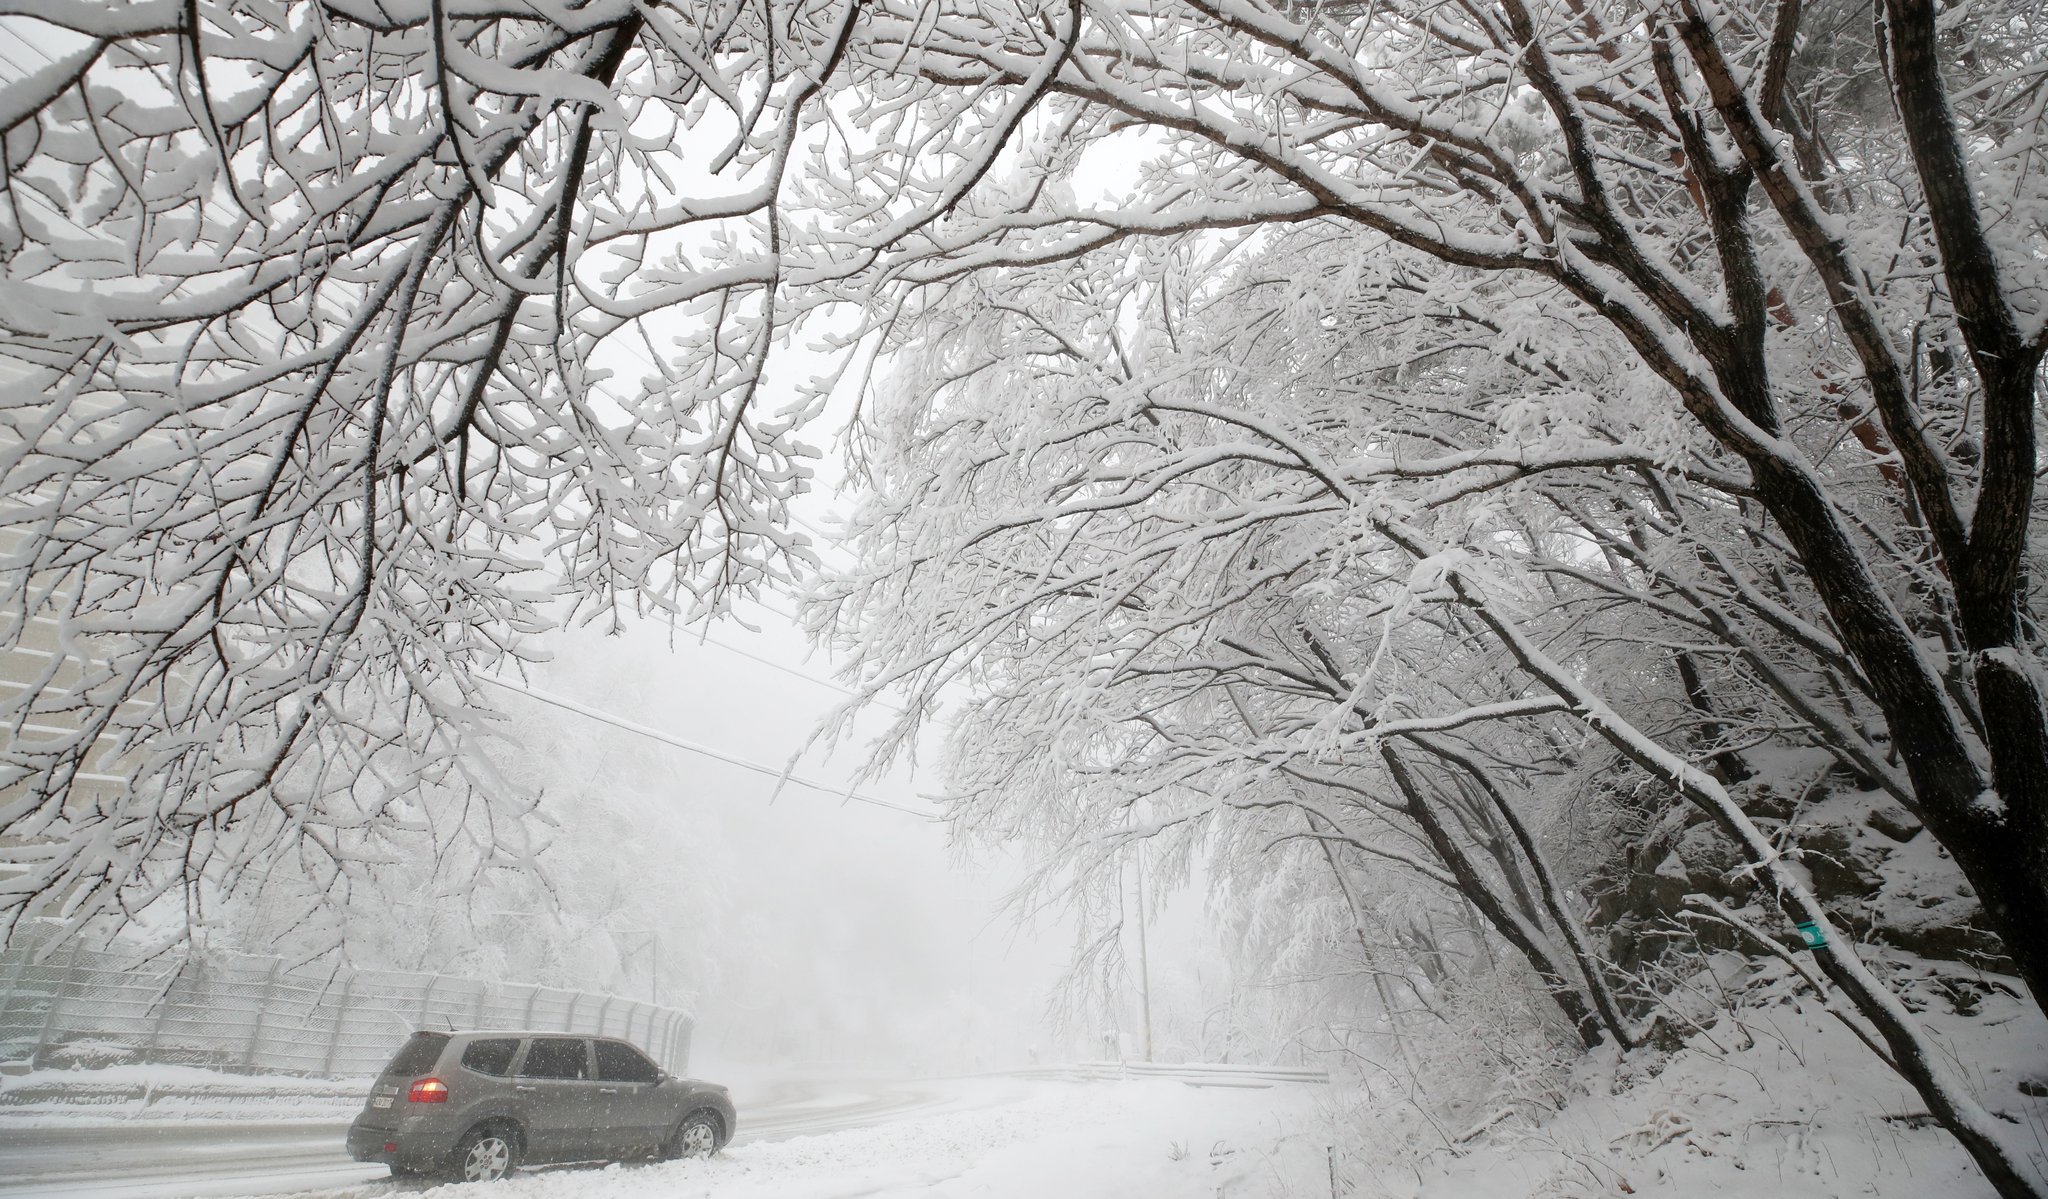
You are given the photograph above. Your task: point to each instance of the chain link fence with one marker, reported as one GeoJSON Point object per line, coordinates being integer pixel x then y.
{"type": "Point", "coordinates": [253, 1014]}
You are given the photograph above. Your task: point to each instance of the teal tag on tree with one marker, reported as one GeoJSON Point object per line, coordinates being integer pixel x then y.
{"type": "Point", "coordinates": [1811, 934]}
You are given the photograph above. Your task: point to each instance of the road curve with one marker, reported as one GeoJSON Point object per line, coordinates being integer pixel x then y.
{"type": "Point", "coordinates": [217, 1159]}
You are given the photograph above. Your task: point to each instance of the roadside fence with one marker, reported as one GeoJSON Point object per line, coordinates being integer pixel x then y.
{"type": "Point", "coordinates": [1197, 1074]}
{"type": "Point", "coordinates": [245, 1014]}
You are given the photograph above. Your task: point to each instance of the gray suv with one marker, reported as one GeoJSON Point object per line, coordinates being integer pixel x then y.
{"type": "Point", "coordinates": [476, 1105]}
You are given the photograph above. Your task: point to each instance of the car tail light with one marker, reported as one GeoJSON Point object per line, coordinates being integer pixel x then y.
{"type": "Point", "coordinates": [428, 1090]}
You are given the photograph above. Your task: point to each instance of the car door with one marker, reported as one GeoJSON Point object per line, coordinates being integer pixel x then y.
{"type": "Point", "coordinates": [559, 1099]}
{"type": "Point", "coordinates": [637, 1113]}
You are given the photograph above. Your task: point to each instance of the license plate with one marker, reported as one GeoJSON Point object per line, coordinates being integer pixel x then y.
{"type": "Point", "coordinates": [381, 1101]}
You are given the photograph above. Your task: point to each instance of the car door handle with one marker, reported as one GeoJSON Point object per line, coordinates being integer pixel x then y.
{"type": "Point", "coordinates": [607, 1090]}
{"type": "Point", "coordinates": [518, 1087]}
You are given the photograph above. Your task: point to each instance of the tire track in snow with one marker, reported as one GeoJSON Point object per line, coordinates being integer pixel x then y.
{"type": "Point", "coordinates": [222, 1159]}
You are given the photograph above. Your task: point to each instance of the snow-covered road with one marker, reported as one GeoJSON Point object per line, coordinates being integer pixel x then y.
{"type": "Point", "coordinates": [175, 1159]}
{"type": "Point", "coordinates": [207, 1159]}
{"type": "Point", "coordinates": [989, 1138]}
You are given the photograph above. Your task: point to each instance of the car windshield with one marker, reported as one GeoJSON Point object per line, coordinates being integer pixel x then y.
{"type": "Point", "coordinates": [419, 1054]}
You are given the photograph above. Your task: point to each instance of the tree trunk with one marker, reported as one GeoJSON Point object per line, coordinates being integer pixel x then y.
{"type": "Point", "coordinates": [1590, 966]}
{"type": "Point", "coordinates": [1947, 1095]}
{"type": "Point", "coordinates": [1998, 836]}
{"type": "Point", "coordinates": [1569, 997]}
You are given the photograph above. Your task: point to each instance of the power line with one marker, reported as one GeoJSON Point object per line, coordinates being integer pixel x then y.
{"type": "Point", "coordinates": [570, 705]}
{"type": "Point", "coordinates": [703, 636]}
{"type": "Point", "coordinates": [793, 671]}
{"type": "Point", "coordinates": [761, 601]}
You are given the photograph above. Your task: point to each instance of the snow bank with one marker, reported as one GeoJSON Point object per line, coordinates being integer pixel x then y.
{"type": "Point", "coordinates": [131, 1092]}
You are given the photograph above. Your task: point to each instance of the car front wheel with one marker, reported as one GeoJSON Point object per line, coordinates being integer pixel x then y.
{"type": "Point", "coordinates": [485, 1155]}
{"type": "Point", "coordinates": [696, 1136]}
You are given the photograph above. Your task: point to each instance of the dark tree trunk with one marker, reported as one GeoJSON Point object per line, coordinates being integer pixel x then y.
{"type": "Point", "coordinates": [1590, 967]}
{"type": "Point", "coordinates": [1569, 997]}
{"type": "Point", "coordinates": [1996, 828]}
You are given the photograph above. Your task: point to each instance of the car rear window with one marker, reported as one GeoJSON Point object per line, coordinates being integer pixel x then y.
{"type": "Point", "coordinates": [618, 1062]}
{"type": "Point", "coordinates": [556, 1057]}
{"type": "Point", "coordinates": [418, 1055]}
{"type": "Point", "coordinates": [491, 1056]}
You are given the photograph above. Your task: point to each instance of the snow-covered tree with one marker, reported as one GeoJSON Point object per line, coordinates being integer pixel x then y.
{"type": "Point", "coordinates": [1850, 339]}
{"type": "Point", "coordinates": [1671, 176]}
{"type": "Point", "coordinates": [1252, 526]}
{"type": "Point", "coordinates": [318, 300]}
{"type": "Point", "coordinates": [337, 359]}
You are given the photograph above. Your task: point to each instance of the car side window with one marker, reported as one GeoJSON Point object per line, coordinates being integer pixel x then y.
{"type": "Point", "coordinates": [620, 1062]}
{"type": "Point", "coordinates": [557, 1057]}
{"type": "Point", "coordinates": [491, 1056]}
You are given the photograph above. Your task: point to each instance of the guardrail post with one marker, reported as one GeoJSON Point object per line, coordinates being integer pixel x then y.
{"type": "Point", "coordinates": [166, 1002]}
{"type": "Point", "coordinates": [207, 990]}
{"type": "Point", "coordinates": [13, 983]}
{"type": "Point", "coordinates": [532, 994]}
{"type": "Point", "coordinates": [334, 1034]}
{"type": "Point", "coordinates": [603, 1010]}
{"type": "Point", "coordinates": [426, 998]}
{"type": "Point", "coordinates": [57, 993]}
{"type": "Point", "coordinates": [569, 1019]}
{"type": "Point", "coordinates": [476, 1014]}
{"type": "Point", "coordinates": [263, 999]}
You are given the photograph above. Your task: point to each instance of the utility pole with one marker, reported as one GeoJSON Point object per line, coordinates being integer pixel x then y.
{"type": "Point", "coordinates": [1144, 963]}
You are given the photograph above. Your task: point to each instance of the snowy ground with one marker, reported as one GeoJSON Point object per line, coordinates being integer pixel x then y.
{"type": "Point", "coordinates": [1770, 1101]}
{"type": "Point", "coordinates": [1776, 1102]}
{"type": "Point", "coordinates": [1157, 1140]}
{"type": "Point", "coordinates": [993, 1138]}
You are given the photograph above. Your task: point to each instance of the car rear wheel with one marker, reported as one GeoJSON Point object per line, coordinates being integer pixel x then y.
{"type": "Point", "coordinates": [485, 1155]}
{"type": "Point", "coordinates": [696, 1136]}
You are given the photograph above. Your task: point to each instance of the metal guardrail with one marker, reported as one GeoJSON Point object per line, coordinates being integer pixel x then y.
{"type": "Point", "coordinates": [1201, 1074]}
{"type": "Point", "coordinates": [257, 1097]}
{"type": "Point", "coordinates": [239, 1013]}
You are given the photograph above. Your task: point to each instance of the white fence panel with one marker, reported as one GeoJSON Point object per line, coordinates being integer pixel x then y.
{"type": "Point", "coordinates": [241, 1013]}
